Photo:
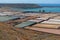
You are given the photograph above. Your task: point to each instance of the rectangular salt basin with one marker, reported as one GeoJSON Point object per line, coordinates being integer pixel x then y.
{"type": "Point", "coordinates": [25, 24]}
{"type": "Point", "coordinates": [51, 22]}
{"type": "Point", "coordinates": [46, 26]}
{"type": "Point", "coordinates": [42, 18]}
{"type": "Point", "coordinates": [52, 31]}
{"type": "Point", "coordinates": [56, 20]}
{"type": "Point", "coordinates": [36, 20]}
{"type": "Point", "coordinates": [6, 18]}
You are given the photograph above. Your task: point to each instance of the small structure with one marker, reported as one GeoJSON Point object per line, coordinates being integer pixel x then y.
{"type": "Point", "coordinates": [25, 24]}
{"type": "Point", "coordinates": [43, 11]}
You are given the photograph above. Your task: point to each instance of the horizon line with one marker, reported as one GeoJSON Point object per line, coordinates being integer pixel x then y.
{"type": "Point", "coordinates": [29, 3]}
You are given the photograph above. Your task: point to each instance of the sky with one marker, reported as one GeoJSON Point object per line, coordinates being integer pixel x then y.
{"type": "Point", "coordinates": [31, 1]}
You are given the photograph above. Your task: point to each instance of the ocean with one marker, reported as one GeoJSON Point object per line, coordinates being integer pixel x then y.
{"type": "Point", "coordinates": [55, 5]}
{"type": "Point", "coordinates": [45, 7]}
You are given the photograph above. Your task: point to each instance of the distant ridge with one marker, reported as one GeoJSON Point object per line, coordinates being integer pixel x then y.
{"type": "Point", "coordinates": [20, 5]}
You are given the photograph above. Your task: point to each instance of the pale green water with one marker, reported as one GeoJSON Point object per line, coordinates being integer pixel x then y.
{"type": "Point", "coordinates": [47, 9]}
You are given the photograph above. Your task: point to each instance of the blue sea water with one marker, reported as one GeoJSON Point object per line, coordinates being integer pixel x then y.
{"type": "Point", "coordinates": [51, 8]}
{"type": "Point", "coordinates": [57, 5]}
